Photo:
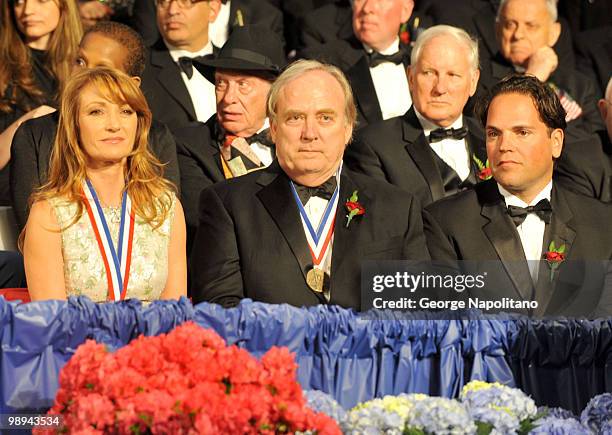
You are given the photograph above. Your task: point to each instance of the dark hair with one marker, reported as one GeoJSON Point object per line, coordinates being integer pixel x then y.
{"type": "Point", "coordinates": [129, 38]}
{"type": "Point", "coordinates": [544, 98]}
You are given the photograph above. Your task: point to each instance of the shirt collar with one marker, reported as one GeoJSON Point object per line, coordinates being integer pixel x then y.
{"type": "Point", "coordinates": [428, 126]}
{"type": "Point", "coordinates": [177, 53]}
{"type": "Point", "coordinates": [516, 201]}
{"type": "Point", "coordinates": [391, 49]}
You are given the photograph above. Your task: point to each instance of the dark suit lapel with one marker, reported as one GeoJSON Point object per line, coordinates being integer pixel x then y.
{"type": "Point", "coordinates": [169, 76]}
{"type": "Point", "coordinates": [363, 89]}
{"type": "Point", "coordinates": [421, 153]}
{"type": "Point", "coordinates": [500, 68]}
{"type": "Point", "coordinates": [502, 234]}
{"type": "Point", "coordinates": [345, 238]}
{"type": "Point", "coordinates": [277, 198]}
{"type": "Point", "coordinates": [561, 231]}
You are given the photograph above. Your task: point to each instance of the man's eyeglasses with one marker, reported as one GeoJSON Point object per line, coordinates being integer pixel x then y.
{"type": "Point", "coordinates": [185, 4]}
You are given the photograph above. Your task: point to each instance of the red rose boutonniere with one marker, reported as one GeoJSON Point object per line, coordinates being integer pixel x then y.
{"type": "Point", "coordinates": [554, 257]}
{"type": "Point", "coordinates": [403, 34]}
{"type": "Point", "coordinates": [353, 207]}
{"type": "Point", "coordinates": [484, 169]}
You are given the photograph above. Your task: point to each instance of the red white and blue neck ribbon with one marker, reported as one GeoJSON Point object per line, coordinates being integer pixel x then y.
{"type": "Point", "coordinates": [117, 261]}
{"type": "Point", "coordinates": [318, 241]}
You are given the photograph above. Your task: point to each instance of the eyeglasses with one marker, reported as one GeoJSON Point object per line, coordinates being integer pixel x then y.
{"type": "Point", "coordinates": [184, 4]}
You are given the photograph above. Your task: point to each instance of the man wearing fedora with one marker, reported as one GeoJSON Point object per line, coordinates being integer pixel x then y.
{"type": "Point", "coordinates": [297, 231]}
{"type": "Point", "coordinates": [235, 140]}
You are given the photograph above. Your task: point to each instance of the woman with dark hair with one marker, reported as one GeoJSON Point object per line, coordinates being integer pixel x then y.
{"type": "Point", "coordinates": [38, 42]}
{"type": "Point", "coordinates": [106, 224]}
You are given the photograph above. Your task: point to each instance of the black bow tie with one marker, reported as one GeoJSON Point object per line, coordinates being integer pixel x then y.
{"type": "Point", "coordinates": [186, 63]}
{"type": "Point", "coordinates": [542, 209]}
{"type": "Point", "coordinates": [450, 133]}
{"type": "Point", "coordinates": [262, 137]}
{"type": "Point", "coordinates": [375, 58]}
{"type": "Point", "coordinates": [325, 190]}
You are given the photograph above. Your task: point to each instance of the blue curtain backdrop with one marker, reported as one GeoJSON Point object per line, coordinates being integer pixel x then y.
{"type": "Point", "coordinates": [353, 357]}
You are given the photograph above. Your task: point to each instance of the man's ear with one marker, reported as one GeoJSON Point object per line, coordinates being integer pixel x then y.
{"type": "Point", "coordinates": [214, 8]}
{"type": "Point", "coordinates": [557, 136]}
{"type": "Point", "coordinates": [273, 131]}
{"type": "Point", "coordinates": [553, 35]}
{"type": "Point", "coordinates": [406, 12]}
{"type": "Point", "coordinates": [474, 82]}
{"type": "Point", "coordinates": [136, 80]}
{"type": "Point", "coordinates": [603, 108]}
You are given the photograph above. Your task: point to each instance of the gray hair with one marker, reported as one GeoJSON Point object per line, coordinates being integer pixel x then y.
{"type": "Point", "coordinates": [443, 30]}
{"type": "Point", "coordinates": [551, 5]}
{"type": "Point", "coordinates": [301, 67]}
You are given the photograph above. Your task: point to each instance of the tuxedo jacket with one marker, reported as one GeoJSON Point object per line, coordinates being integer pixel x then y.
{"type": "Point", "coordinates": [579, 86]}
{"type": "Point", "coordinates": [165, 90]}
{"type": "Point", "coordinates": [31, 151]}
{"type": "Point", "coordinates": [474, 225]}
{"type": "Point", "coordinates": [350, 56]}
{"type": "Point", "coordinates": [397, 151]}
{"type": "Point", "coordinates": [144, 17]}
{"type": "Point", "coordinates": [250, 241]}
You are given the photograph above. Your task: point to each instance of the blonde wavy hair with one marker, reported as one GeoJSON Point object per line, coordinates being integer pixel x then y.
{"type": "Point", "coordinates": [16, 72]}
{"type": "Point", "coordinates": [150, 193]}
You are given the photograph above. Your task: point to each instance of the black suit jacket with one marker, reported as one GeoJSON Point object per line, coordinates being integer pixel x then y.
{"type": "Point", "coordinates": [163, 86]}
{"type": "Point", "coordinates": [251, 244]}
{"type": "Point", "coordinates": [580, 87]}
{"type": "Point", "coordinates": [397, 151]}
{"type": "Point", "coordinates": [144, 19]}
{"type": "Point", "coordinates": [483, 230]}
{"type": "Point", "coordinates": [350, 57]}
{"type": "Point", "coordinates": [31, 150]}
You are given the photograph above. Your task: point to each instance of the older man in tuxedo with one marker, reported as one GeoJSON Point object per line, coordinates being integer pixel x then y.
{"type": "Point", "coordinates": [432, 150]}
{"type": "Point", "coordinates": [373, 58]}
{"type": "Point", "coordinates": [526, 32]}
{"type": "Point", "coordinates": [521, 216]}
{"type": "Point", "coordinates": [177, 92]}
{"type": "Point", "coordinates": [235, 140]}
{"type": "Point", "coordinates": [297, 231]}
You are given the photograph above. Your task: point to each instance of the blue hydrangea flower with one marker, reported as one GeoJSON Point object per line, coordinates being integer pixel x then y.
{"type": "Point", "coordinates": [439, 415]}
{"type": "Point", "coordinates": [559, 426]}
{"type": "Point", "coordinates": [497, 396]}
{"type": "Point", "coordinates": [556, 412]}
{"type": "Point", "coordinates": [502, 421]}
{"type": "Point", "coordinates": [598, 412]}
{"type": "Point", "coordinates": [319, 401]}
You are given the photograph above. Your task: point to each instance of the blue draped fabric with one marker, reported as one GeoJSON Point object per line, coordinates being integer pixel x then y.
{"type": "Point", "coordinates": [351, 356]}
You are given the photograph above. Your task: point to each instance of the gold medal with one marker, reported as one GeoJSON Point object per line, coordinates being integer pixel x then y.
{"type": "Point", "coordinates": [315, 278]}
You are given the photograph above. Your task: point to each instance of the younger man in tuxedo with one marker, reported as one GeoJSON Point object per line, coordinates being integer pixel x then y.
{"type": "Point", "coordinates": [520, 216]}
{"type": "Point", "coordinates": [432, 150]}
{"type": "Point", "coordinates": [256, 236]}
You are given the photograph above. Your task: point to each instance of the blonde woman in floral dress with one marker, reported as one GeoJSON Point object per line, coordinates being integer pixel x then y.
{"type": "Point", "coordinates": [106, 224]}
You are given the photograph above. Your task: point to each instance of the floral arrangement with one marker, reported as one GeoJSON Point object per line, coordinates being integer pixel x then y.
{"type": "Point", "coordinates": [187, 381]}
{"type": "Point", "coordinates": [482, 408]}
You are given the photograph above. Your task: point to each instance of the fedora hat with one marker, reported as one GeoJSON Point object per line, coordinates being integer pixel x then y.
{"type": "Point", "coordinates": [252, 48]}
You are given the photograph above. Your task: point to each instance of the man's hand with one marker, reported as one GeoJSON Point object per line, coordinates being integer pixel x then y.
{"type": "Point", "coordinates": [542, 63]}
{"type": "Point", "coordinates": [93, 11]}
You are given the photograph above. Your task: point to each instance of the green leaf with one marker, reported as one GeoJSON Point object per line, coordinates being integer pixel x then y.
{"type": "Point", "coordinates": [551, 247]}
{"type": "Point", "coordinates": [478, 162]}
{"type": "Point", "coordinates": [413, 431]}
{"type": "Point", "coordinates": [561, 249]}
{"type": "Point", "coordinates": [483, 428]}
{"type": "Point", "coordinates": [354, 197]}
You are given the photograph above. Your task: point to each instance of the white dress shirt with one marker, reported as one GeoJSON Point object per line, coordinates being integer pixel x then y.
{"type": "Point", "coordinates": [455, 153]}
{"type": "Point", "coordinates": [531, 231]}
{"type": "Point", "coordinates": [218, 29]}
{"type": "Point", "coordinates": [391, 84]}
{"type": "Point", "coordinates": [201, 91]}
{"type": "Point", "coordinates": [315, 209]}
